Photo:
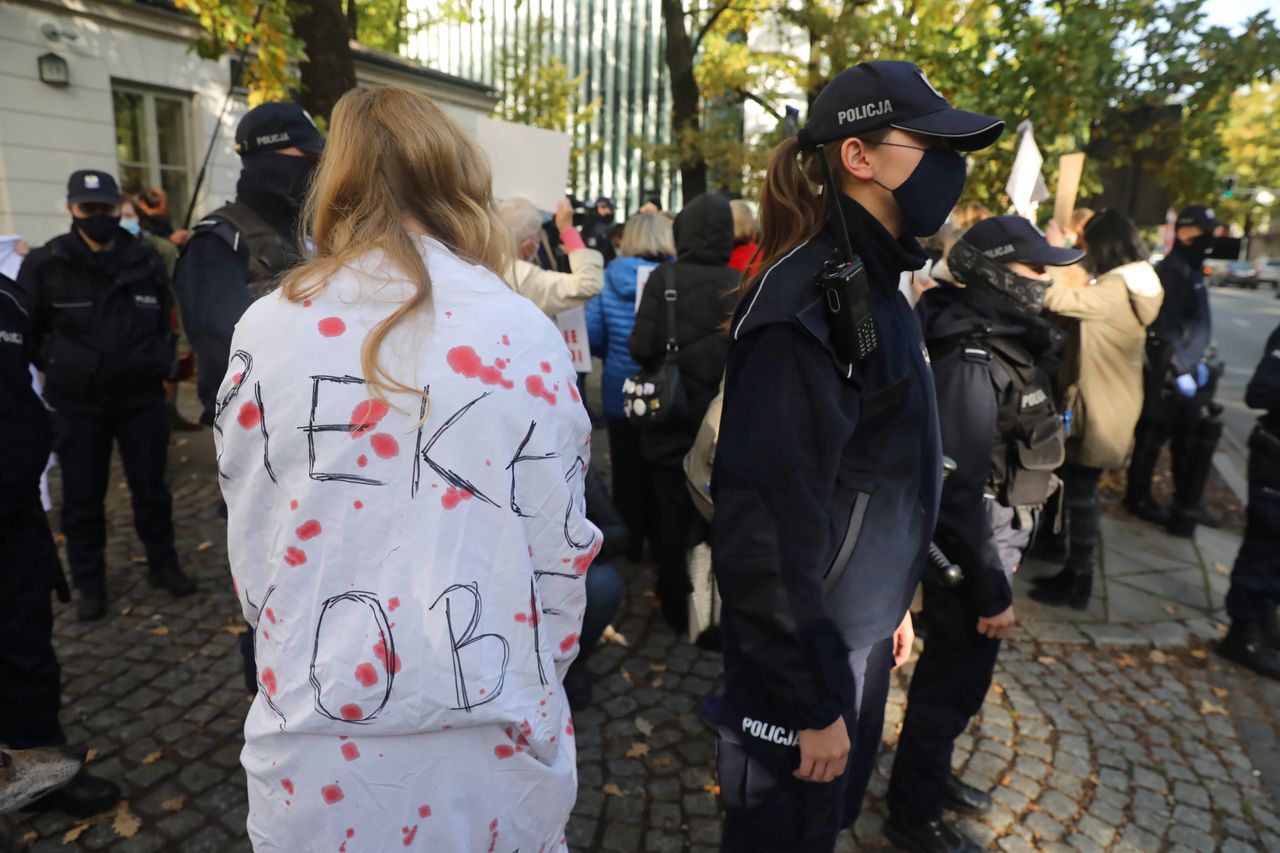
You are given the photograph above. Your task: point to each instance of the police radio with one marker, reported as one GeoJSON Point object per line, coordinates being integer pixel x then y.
{"type": "Point", "coordinates": [846, 295]}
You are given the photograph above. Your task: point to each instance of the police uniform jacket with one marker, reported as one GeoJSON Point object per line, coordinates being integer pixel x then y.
{"type": "Point", "coordinates": [101, 322]}
{"type": "Point", "coordinates": [963, 326]}
{"type": "Point", "coordinates": [25, 435]}
{"type": "Point", "coordinates": [1184, 322]}
{"type": "Point", "coordinates": [826, 482]}
{"type": "Point", "coordinates": [1263, 391]}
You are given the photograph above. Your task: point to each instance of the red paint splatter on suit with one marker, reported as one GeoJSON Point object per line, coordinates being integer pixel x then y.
{"type": "Point", "coordinates": [235, 380]}
{"type": "Point", "coordinates": [306, 303]}
{"type": "Point", "coordinates": [380, 649]}
{"type": "Point", "coordinates": [409, 834]}
{"type": "Point", "coordinates": [366, 674]}
{"type": "Point", "coordinates": [331, 327]}
{"type": "Point", "coordinates": [287, 784]}
{"type": "Point", "coordinates": [293, 504]}
{"type": "Point", "coordinates": [250, 415]}
{"type": "Point", "coordinates": [271, 616]}
{"type": "Point", "coordinates": [358, 504]}
{"type": "Point", "coordinates": [452, 497]}
{"type": "Point", "coordinates": [546, 366]}
{"type": "Point", "coordinates": [535, 386]}
{"type": "Point", "coordinates": [569, 729]}
{"type": "Point", "coordinates": [351, 833]}
{"type": "Point", "coordinates": [384, 445]}
{"type": "Point", "coordinates": [309, 529]}
{"type": "Point", "coordinates": [573, 394]}
{"type": "Point", "coordinates": [331, 793]}
{"type": "Point", "coordinates": [424, 811]}
{"type": "Point", "coordinates": [351, 712]}
{"type": "Point", "coordinates": [503, 750]}
{"type": "Point", "coordinates": [295, 556]}
{"type": "Point", "coordinates": [362, 460]}
{"type": "Point", "coordinates": [366, 415]}
{"type": "Point", "coordinates": [466, 362]}
{"type": "Point", "coordinates": [393, 603]}
{"type": "Point", "coordinates": [350, 752]}
{"type": "Point", "coordinates": [506, 341]}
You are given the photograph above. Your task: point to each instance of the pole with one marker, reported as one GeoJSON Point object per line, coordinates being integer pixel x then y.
{"type": "Point", "coordinates": [217, 127]}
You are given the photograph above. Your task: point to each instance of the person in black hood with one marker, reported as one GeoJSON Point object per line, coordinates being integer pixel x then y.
{"type": "Point", "coordinates": [828, 465]}
{"type": "Point", "coordinates": [100, 316]}
{"type": "Point", "coordinates": [704, 288]}
{"type": "Point", "coordinates": [988, 345]}
{"type": "Point", "coordinates": [239, 252]}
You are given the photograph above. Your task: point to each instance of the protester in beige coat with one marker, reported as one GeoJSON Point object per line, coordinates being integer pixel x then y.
{"type": "Point", "coordinates": [550, 290]}
{"type": "Point", "coordinates": [1103, 380]}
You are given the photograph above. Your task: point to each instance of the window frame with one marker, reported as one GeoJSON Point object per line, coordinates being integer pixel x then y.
{"type": "Point", "coordinates": [151, 137]}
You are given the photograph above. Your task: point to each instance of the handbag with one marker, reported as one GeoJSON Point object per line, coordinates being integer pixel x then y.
{"type": "Point", "coordinates": [656, 397]}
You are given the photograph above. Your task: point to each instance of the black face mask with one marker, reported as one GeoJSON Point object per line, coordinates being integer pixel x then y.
{"type": "Point", "coordinates": [972, 268]}
{"type": "Point", "coordinates": [279, 177]}
{"type": "Point", "coordinates": [1201, 246]}
{"type": "Point", "coordinates": [100, 227]}
{"type": "Point", "coordinates": [929, 193]}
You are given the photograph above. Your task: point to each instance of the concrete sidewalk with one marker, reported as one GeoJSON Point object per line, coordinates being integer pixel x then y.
{"type": "Point", "coordinates": [1152, 589]}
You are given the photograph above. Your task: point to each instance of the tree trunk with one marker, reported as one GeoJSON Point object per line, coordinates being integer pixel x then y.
{"type": "Point", "coordinates": [685, 107]}
{"type": "Point", "coordinates": [329, 70]}
{"type": "Point", "coordinates": [353, 21]}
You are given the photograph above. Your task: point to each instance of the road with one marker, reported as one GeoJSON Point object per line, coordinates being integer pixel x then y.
{"type": "Point", "coordinates": [1242, 321]}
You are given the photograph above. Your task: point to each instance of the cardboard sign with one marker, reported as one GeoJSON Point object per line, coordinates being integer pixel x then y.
{"type": "Point", "coordinates": [573, 325]}
{"type": "Point", "coordinates": [526, 161]}
{"type": "Point", "coordinates": [1070, 168]}
{"type": "Point", "coordinates": [642, 278]}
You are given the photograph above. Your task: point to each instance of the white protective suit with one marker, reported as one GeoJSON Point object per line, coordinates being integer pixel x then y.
{"type": "Point", "coordinates": [415, 585]}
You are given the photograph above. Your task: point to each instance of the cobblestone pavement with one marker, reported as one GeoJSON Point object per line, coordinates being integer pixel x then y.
{"type": "Point", "coordinates": [1090, 747]}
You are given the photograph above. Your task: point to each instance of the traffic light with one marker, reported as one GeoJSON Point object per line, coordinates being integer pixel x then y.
{"type": "Point", "coordinates": [1229, 186]}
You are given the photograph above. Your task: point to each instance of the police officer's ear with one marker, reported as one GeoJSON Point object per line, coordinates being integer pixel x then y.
{"type": "Point", "coordinates": [854, 159]}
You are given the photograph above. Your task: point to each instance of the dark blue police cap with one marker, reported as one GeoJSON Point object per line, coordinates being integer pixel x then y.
{"type": "Point", "coordinates": [89, 186]}
{"type": "Point", "coordinates": [274, 125]}
{"type": "Point", "coordinates": [1199, 216]}
{"type": "Point", "coordinates": [892, 93]}
{"type": "Point", "coordinates": [1015, 238]}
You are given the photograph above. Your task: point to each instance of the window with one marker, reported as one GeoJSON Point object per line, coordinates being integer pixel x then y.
{"type": "Point", "coordinates": [152, 144]}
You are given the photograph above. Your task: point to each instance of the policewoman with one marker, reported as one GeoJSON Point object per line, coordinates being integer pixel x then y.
{"type": "Point", "coordinates": [828, 466]}
{"type": "Point", "coordinates": [98, 303]}
{"type": "Point", "coordinates": [992, 356]}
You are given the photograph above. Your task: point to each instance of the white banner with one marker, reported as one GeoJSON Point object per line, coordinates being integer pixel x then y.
{"type": "Point", "coordinates": [526, 161]}
{"type": "Point", "coordinates": [573, 325]}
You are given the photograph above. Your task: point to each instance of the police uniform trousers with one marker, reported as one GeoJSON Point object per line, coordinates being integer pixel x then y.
{"type": "Point", "coordinates": [1255, 579]}
{"type": "Point", "coordinates": [29, 686]}
{"type": "Point", "coordinates": [767, 809]}
{"type": "Point", "coordinates": [1172, 419]}
{"type": "Point", "coordinates": [83, 444]}
{"type": "Point", "coordinates": [948, 686]}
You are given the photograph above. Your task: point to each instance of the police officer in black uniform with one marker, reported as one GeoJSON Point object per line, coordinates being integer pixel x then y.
{"type": "Point", "coordinates": [99, 309]}
{"type": "Point", "coordinates": [988, 345]}
{"type": "Point", "coordinates": [240, 251]}
{"type": "Point", "coordinates": [1254, 638]}
{"type": "Point", "coordinates": [29, 568]}
{"type": "Point", "coordinates": [828, 465]}
{"type": "Point", "coordinates": [1176, 367]}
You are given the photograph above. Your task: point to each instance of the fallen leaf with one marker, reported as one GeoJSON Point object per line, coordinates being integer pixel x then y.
{"type": "Point", "coordinates": [1170, 608]}
{"type": "Point", "coordinates": [160, 631]}
{"type": "Point", "coordinates": [648, 593]}
{"type": "Point", "coordinates": [139, 561]}
{"type": "Point", "coordinates": [1126, 660]}
{"type": "Point", "coordinates": [90, 755]}
{"type": "Point", "coordinates": [611, 635]}
{"type": "Point", "coordinates": [1199, 654]}
{"type": "Point", "coordinates": [173, 805]}
{"type": "Point", "coordinates": [1004, 783]}
{"type": "Point", "coordinates": [204, 546]}
{"type": "Point", "coordinates": [152, 757]}
{"type": "Point", "coordinates": [182, 458]}
{"type": "Point", "coordinates": [74, 832]}
{"type": "Point", "coordinates": [1220, 627]}
{"type": "Point", "coordinates": [645, 727]}
{"type": "Point", "coordinates": [658, 667]}
{"type": "Point", "coordinates": [1207, 707]}
{"type": "Point", "coordinates": [28, 838]}
{"type": "Point", "coordinates": [182, 442]}
{"type": "Point", "coordinates": [656, 683]}
{"type": "Point", "coordinates": [1158, 656]}
{"type": "Point", "coordinates": [626, 676]}
{"type": "Point", "coordinates": [612, 790]}
{"type": "Point", "coordinates": [188, 656]}
{"type": "Point", "coordinates": [126, 611]}
{"type": "Point", "coordinates": [712, 788]}
{"type": "Point", "coordinates": [60, 539]}
{"type": "Point", "coordinates": [1046, 660]}
{"type": "Point", "coordinates": [664, 761]}
{"type": "Point", "coordinates": [1221, 692]}
{"type": "Point", "coordinates": [638, 750]}
{"type": "Point", "coordinates": [235, 630]}
{"type": "Point", "coordinates": [126, 823]}
{"type": "Point", "coordinates": [1221, 569]}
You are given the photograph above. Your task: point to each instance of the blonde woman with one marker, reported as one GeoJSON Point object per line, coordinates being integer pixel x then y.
{"type": "Point", "coordinates": [647, 240]}
{"type": "Point", "coordinates": [402, 453]}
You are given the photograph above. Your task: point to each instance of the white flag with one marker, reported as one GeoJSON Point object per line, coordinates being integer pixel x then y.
{"type": "Point", "coordinates": [1026, 186]}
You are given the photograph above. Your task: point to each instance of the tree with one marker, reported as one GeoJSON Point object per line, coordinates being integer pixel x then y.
{"type": "Point", "coordinates": [326, 70]}
{"type": "Point", "coordinates": [1252, 152]}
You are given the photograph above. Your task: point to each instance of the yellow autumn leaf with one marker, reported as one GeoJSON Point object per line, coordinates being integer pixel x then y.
{"type": "Point", "coordinates": [173, 805]}
{"type": "Point", "coordinates": [644, 726]}
{"type": "Point", "coordinates": [235, 630]}
{"type": "Point", "coordinates": [1126, 660]}
{"type": "Point", "coordinates": [611, 635]}
{"type": "Point", "coordinates": [1221, 692]}
{"type": "Point", "coordinates": [126, 823]}
{"type": "Point", "coordinates": [1222, 569]}
{"type": "Point", "coordinates": [90, 755]}
{"type": "Point", "coordinates": [74, 832]}
{"type": "Point", "coordinates": [1199, 654]}
{"type": "Point", "coordinates": [638, 750]}
{"type": "Point", "coordinates": [28, 838]}
{"type": "Point", "coordinates": [658, 667]}
{"type": "Point", "coordinates": [160, 631]}
{"type": "Point", "coordinates": [656, 683]}
{"type": "Point", "coordinates": [151, 757]}
{"type": "Point", "coordinates": [712, 788]}
{"type": "Point", "coordinates": [612, 790]}
{"type": "Point", "coordinates": [1158, 656]}
{"type": "Point", "coordinates": [204, 546]}
{"type": "Point", "coordinates": [1207, 707]}
{"type": "Point", "coordinates": [1045, 660]}
{"type": "Point", "coordinates": [664, 761]}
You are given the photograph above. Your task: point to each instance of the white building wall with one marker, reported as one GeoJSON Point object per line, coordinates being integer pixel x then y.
{"type": "Point", "coordinates": [47, 132]}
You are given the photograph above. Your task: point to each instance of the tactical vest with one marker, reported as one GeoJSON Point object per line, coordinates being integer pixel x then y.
{"type": "Point", "coordinates": [1030, 443]}
{"type": "Point", "coordinates": [266, 254]}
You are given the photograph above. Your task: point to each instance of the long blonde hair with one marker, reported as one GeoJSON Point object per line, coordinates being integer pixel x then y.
{"type": "Point", "coordinates": [392, 154]}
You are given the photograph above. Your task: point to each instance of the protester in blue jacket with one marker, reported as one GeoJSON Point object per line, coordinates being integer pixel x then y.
{"type": "Point", "coordinates": [646, 242]}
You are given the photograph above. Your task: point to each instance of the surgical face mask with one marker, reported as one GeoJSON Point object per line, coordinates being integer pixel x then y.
{"type": "Point", "coordinates": [927, 196]}
{"type": "Point", "coordinates": [972, 268]}
{"type": "Point", "coordinates": [133, 226]}
{"type": "Point", "coordinates": [100, 227]}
